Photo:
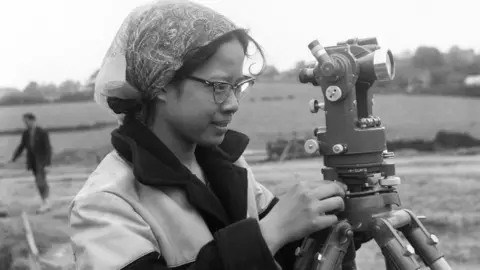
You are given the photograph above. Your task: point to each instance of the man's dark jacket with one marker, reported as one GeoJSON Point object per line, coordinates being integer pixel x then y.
{"type": "Point", "coordinates": [41, 152]}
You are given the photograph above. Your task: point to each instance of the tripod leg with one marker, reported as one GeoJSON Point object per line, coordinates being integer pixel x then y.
{"type": "Point", "coordinates": [397, 255]}
{"type": "Point", "coordinates": [389, 265]}
{"type": "Point", "coordinates": [349, 259]}
{"type": "Point", "coordinates": [424, 243]}
{"type": "Point", "coordinates": [306, 253]}
{"type": "Point", "coordinates": [325, 250]}
{"type": "Point", "coordinates": [333, 252]}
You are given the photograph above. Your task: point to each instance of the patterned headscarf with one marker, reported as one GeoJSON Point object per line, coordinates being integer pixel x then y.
{"type": "Point", "coordinates": [151, 44]}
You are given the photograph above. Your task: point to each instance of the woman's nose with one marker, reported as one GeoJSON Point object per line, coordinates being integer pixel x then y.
{"type": "Point", "coordinates": [230, 104]}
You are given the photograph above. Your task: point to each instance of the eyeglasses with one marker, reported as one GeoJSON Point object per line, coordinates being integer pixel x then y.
{"type": "Point", "coordinates": [222, 90]}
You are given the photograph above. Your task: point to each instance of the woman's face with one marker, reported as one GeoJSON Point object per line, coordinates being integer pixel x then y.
{"type": "Point", "coordinates": [191, 110]}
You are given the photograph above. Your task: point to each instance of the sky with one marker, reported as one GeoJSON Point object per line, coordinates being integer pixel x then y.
{"type": "Point", "coordinates": [49, 41]}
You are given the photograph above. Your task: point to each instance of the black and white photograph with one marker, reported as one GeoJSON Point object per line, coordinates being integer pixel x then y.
{"type": "Point", "coordinates": [239, 135]}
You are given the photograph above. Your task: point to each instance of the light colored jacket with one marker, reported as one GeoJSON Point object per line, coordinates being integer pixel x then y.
{"type": "Point", "coordinates": [115, 219]}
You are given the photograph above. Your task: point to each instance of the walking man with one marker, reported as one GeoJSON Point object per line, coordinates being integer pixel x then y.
{"type": "Point", "coordinates": [39, 152]}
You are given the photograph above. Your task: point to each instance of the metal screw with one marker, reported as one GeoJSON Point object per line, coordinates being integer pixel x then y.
{"type": "Point", "coordinates": [434, 239]}
{"type": "Point", "coordinates": [338, 148]}
{"type": "Point", "coordinates": [409, 250]}
{"type": "Point", "coordinates": [311, 146]}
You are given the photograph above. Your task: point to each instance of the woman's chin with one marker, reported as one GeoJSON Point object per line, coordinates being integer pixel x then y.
{"type": "Point", "coordinates": [212, 140]}
{"type": "Point", "coordinates": [212, 136]}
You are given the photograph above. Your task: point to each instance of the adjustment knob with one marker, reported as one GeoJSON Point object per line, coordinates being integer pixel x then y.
{"type": "Point", "coordinates": [314, 106]}
{"type": "Point", "coordinates": [339, 149]}
{"type": "Point", "coordinates": [319, 130]}
{"type": "Point", "coordinates": [311, 146]}
{"type": "Point", "coordinates": [390, 181]}
{"type": "Point", "coordinates": [333, 93]}
{"type": "Point", "coordinates": [387, 155]}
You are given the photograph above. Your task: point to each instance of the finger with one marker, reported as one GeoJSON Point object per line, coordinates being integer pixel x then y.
{"type": "Point", "coordinates": [343, 185]}
{"type": "Point", "coordinates": [298, 186]}
{"type": "Point", "coordinates": [326, 221]}
{"type": "Point", "coordinates": [330, 204]}
{"type": "Point", "coordinates": [328, 190]}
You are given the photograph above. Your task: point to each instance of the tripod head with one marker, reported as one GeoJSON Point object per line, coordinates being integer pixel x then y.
{"type": "Point", "coordinates": [353, 142]}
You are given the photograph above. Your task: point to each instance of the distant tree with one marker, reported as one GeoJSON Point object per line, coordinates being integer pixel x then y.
{"type": "Point", "coordinates": [474, 67]}
{"type": "Point", "coordinates": [8, 91]}
{"type": "Point", "coordinates": [441, 75]}
{"type": "Point", "coordinates": [300, 65]}
{"type": "Point", "coordinates": [458, 57]}
{"type": "Point", "coordinates": [33, 91]}
{"type": "Point", "coordinates": [48, 89]}
{"type": "Point", "coordinates": [428, 58]}
{"type": "Point", "coordinates": [69, 86]}
{"type": "Point", "coordinates": [31, 88]}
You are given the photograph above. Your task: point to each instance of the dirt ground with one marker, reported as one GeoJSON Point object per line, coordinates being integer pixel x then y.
{"type": "Point", "coordinates": [442, 187]}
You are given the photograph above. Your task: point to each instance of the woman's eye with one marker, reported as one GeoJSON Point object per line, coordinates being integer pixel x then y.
{"type": "Point", "coordinates": [220, 87]}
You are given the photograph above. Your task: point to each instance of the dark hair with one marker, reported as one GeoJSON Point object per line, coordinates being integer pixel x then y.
{"type": "Point", "coordinates": [29, 116]}
{"type": "Point", "coordinates": [196, 58]}
{"type": "Point", "coordinates": [191, 62]}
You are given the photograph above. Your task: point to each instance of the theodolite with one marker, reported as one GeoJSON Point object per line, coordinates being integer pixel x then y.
{"type": "Point", "coordinates": [353, 146]}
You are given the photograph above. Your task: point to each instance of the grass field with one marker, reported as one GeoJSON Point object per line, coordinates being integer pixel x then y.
{"type": "Point", "coordinates": [444, 188]}
{"type": "Point", "coordinates": [405, 117]}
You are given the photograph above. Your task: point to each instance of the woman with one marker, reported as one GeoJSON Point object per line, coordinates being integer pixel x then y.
{"type": "Point", "coordinates": [176, 192]}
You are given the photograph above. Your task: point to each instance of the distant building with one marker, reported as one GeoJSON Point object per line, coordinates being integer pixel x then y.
{"type": "Point", "coordinates": [472, 81]}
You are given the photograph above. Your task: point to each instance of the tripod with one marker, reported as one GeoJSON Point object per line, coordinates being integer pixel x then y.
{"type": "Point", "coordinates": [353, 144]}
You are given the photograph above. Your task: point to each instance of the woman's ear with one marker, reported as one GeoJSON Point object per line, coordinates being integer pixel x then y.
{"type": "Point", "coordinates": [170, 91]}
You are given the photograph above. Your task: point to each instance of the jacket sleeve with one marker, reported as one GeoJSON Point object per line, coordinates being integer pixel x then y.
{"type": "Point", "coordinates": [108, 234]}
{"type": "Point", "coordinates": [20, 147]}
{"type": "Point", "coordinates": [48, 147]}
{"type": "Point", "coordinates": [265, 201]}
{"type": "Point", "coordinates": [263, 196]}
{"type": "Point", "coordinates": [285, 256]}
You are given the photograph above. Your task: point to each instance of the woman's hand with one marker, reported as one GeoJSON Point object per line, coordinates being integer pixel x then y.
{"type": "Point", "coordinates": [301, 211]}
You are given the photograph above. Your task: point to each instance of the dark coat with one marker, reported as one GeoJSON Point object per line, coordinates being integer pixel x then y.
{"type": "Point", "coordinates": [41, 152]}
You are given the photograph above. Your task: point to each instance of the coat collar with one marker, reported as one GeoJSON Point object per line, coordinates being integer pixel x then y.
{"type": "Point", "coordinates": [156, 166]}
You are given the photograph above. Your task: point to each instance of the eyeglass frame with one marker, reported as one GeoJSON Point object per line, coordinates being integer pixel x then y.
{"type": "Point", "coordinates": [232, 88]}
